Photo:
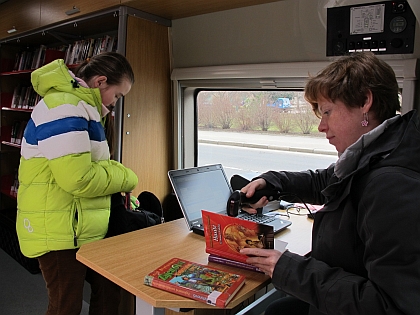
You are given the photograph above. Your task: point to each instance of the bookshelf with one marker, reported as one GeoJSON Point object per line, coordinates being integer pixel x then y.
{"type": "Point", "coordinates": [143, 121]}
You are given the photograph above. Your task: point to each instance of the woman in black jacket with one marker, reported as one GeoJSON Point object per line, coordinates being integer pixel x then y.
{"type": "Point", "coordinates": [365, 255]}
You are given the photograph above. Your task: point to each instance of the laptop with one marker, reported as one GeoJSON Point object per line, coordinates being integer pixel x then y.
{"type": "Point", "coordinates": [207, 188]}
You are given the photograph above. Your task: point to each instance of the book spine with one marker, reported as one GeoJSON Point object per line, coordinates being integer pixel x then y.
{"type": "Point", "coordinates": [221, 253]}
{"type": "Point", "coordinates": [159, 284]}
{"type": "Point", "coordinates": [15, 129]}
{"type": "Point", "coordinates": [15, 184]}
{"type": "Point", "coordinates": [15, 96]}
{"type": "Point", "coordinates": [233, 263]}
{"type": "Point", "coordinates": [20, 131]}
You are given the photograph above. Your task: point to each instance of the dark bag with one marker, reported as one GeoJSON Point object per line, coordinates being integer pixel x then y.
{"type": "Point", "coordinates": [171, 209]}
{"type": "Point", "coordinates": [123, 218]}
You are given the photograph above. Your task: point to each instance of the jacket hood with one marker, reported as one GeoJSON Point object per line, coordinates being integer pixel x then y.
{"type": "Point", "coordinates": [55, 77]}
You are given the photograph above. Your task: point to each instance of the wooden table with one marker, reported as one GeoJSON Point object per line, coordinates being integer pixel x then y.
{"type": "Point", "coordinates": [127, 258]}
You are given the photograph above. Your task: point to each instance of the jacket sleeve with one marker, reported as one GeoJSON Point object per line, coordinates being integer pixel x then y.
{"type": "Point", "coordinates": [78, 175]}
{"type": "Point", "coordinates": [307, 185]}
{"type": "Point", "coordinates": [84, 178]}
{"type": "Point", "coordinates": [388, 226]}
{"type": "Point", "coordinates": [72, 139]}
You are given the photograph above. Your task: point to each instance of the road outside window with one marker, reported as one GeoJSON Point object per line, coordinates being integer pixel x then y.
{"type": "Point", "coordinates": [250, 132]}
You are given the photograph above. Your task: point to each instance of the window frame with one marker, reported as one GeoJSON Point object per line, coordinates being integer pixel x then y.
{"type": "Point", "coordinates": [187, 82]}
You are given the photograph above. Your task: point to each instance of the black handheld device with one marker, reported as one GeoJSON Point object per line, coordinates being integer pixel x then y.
{"type": "Point", "coordinates": [238, 198]}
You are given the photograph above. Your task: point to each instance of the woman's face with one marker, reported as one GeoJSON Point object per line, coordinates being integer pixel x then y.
{"type": "Point", "coordinates": [111, 93]}
{"type": "Point", "coordinates": [341, 124]}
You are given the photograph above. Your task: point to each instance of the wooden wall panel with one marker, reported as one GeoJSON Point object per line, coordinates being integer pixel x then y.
{"type": "Point", "coordinates": [184, 8]}
{"type": "Point", "coordinates": [22, 17]}
{"type": "Point", "coordinates": [146, 132]}
{"type": "Point", "coordinates": [53, 11]}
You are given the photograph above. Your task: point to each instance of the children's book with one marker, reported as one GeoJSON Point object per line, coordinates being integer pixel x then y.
{"type": "Point", "coordinates": [199, 282]}
{"type": "Point", "coordinates": [226, 236]}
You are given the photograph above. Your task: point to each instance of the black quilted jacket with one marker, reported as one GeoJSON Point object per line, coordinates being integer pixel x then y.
{"type": "Point", "coordinates": [366, 241]}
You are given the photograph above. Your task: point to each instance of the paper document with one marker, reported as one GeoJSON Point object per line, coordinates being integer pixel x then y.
{"type": "Point", "coordinates": [280, 245]}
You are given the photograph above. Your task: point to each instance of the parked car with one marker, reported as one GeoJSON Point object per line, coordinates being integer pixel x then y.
{"type": "Point", "coordinates": [282, 103]}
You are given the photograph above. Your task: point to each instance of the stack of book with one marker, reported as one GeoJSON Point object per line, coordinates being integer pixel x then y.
{"type": "Point", "coordinates": [225, 236]}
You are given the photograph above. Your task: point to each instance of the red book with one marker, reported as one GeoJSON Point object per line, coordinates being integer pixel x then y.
{"type": "Point", "coordinates": [226, 236]}
{"type": "Point", "coordinates": [199, 282]}
{"type": "Point", "coordinates": [233, 263]}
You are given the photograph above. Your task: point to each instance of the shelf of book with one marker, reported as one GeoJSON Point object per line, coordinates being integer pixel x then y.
{"type": "Point", "coordinates": [27, 110]}
{"type": "Point", "coordinates": [15, 72]}
{"type": "Point", "coordinates": [11, 144]}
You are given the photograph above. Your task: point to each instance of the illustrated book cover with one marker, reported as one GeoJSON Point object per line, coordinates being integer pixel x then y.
{"type": "Point", "coordinates": [199, 282]}
{"type": "Point", "coordinates": [225, 236]}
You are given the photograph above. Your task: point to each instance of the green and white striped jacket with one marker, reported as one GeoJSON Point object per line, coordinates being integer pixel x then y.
{"type": "Point", "coordinates": [66, 176]}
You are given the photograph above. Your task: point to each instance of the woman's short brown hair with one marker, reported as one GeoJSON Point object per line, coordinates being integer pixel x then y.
{"type": "Point", "coordinates": [350, 78]}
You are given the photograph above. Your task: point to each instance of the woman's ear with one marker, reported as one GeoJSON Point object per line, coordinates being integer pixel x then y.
{"type": "Point", "coordinates": [100, 80]}
{"type": "Point", "coordinates": [368, 101]}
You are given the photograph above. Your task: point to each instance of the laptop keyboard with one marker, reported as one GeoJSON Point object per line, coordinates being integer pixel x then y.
{"type": "Point", "coordinates": [257, 218]}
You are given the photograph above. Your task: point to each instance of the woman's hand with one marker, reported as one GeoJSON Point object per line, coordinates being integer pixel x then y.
{"type": "Point", "coordinates": [249, 190]}
{"type": "Point", "coordinates": [264, 259]}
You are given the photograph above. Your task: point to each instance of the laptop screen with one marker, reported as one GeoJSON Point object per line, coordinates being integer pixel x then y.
{"type": "Point", "coordinates": [198, 188]}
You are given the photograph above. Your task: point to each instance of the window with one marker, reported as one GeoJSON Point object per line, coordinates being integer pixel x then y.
{"type": "Point", "coordinates": [253, 131]}
{"type": "Point", "coordinates": [263, 89]}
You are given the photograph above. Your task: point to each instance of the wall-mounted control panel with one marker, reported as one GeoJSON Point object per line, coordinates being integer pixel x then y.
{"type": "Point", "coordinates": [381, 27]}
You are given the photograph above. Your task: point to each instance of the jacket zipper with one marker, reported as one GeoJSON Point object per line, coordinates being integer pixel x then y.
{"type": "Point", "coordinates": [77, 219]}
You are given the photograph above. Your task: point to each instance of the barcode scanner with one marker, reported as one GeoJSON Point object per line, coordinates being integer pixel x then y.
{"type": "Point", "coordinates": [238, 198]}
